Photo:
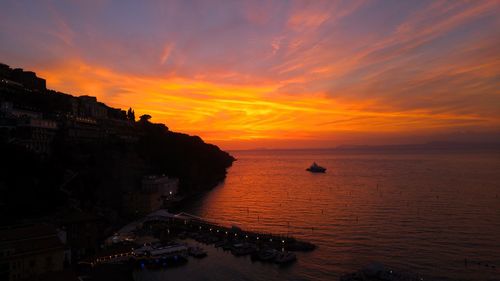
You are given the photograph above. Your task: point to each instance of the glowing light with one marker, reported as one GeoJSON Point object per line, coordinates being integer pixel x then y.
{"type": "Point", "coordinates": [281, 91]}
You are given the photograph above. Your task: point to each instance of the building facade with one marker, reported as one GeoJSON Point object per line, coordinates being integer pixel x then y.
{"type": "Point", "coordinates": [29, 251]}
{"type": "Point", "coordinates": [154, 192]}
{"type": "Point", "coordinates": [29, 128]}
{"type": "Point", "coordinates": [164, 185]}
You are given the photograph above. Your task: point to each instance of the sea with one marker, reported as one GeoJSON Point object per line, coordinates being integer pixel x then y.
{"type": "Point", "coordinates": [429, 212]}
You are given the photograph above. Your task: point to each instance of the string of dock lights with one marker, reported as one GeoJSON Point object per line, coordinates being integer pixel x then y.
{"type": "Point", "coordinates": [243, 235]}
{"type": "Point", "coordinates": [236, 234]}
{"type": "Point", "coordinates": [106, 258]}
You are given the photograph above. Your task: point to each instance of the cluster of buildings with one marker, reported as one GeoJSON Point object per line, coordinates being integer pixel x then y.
{"type": "Point", "coordinates": [50, 251]}
{"type": "Point", "coordinates": [18, 78]}
{"type": "Point", "coordinates": [34, 117]}
{"type": "Point", "coordinates": [31, 115]}
{"type": "Point", "coordinates": [38, 119]}
{"type": "Point", "coordinates": [27, 128]}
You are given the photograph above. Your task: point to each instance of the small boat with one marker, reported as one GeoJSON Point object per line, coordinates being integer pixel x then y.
{"type": "Point", "coordinates": [197, 252]}
{"type": "Point", "coordinates": [315, 168]}
{"type": "Point", "coordinates": [212, 239]}
{"type": "Point", "coordinates": [158, 257]}
{"type": "Point", "coordinates": [285, 257]}
{"type": "Point", "coordinates": [220, 243]}
{"type": "Point", "coordinates": [268, 255]}
{"type": "Point", "coordinates": [165, 261]}
{"type": "Point", "coordinates": [243, 249]}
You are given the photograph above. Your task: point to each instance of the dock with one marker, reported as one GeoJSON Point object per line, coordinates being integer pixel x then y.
{"type": "Point", "coordinates": [164, 227]}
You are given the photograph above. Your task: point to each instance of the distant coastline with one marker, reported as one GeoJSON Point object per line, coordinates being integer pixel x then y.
{"type": "Point", "coordinates": [430, 146]}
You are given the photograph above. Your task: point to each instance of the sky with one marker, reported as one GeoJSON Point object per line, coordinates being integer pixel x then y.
{"type": "Point", "coordinates": [274, 74]}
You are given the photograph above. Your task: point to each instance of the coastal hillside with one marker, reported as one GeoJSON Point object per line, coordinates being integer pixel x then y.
{"type": "Point", "coordinates": [60, 150]}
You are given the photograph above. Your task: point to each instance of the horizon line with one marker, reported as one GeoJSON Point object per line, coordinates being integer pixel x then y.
{"type": "Point", "coordinates": [452, 145]}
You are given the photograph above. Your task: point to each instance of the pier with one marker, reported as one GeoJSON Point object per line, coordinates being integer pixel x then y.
{"type": "Point", "coordinates": [162, 227]}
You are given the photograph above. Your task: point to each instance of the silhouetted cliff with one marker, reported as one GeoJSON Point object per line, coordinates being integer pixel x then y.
{"type": "Point", "coordinates": [61, 150]}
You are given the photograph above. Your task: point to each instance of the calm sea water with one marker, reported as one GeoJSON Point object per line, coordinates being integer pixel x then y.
{"type": "Point", "coordinates": [423, 212]}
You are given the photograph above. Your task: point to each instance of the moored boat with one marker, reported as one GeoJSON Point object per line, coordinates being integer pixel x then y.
{"type": "Point", "coordinates": [197, 252]}
{"type": "Point", "coordinates": [315, 168]}
{"type": "Point", "coordinates": [220, 243]}
{"type": "Point", "coordinates": [242, 249]}
{"type": "Point", "coordinates": [268, 255]}
{"type": "Point", "coordinates": [285, 257]}
{"type": "Point", "coordinates": [155, 258]}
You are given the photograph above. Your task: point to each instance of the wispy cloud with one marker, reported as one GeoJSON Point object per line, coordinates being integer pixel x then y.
{"type": "Point", "coordinates": [311, 72]}
{"type": "Point", "coordinates": [167, 50]}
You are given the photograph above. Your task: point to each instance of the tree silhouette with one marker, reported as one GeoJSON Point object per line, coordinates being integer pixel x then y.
{"type": "Point", "coordinates": [131, 114]}
{"type": "Point", "coordinates": [145, 118]}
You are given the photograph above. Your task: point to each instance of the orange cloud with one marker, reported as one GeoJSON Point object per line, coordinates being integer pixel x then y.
{"type": "Point", "coordinates": [222, 113]}
{"type": "Point", "coordinates": [289, 74]}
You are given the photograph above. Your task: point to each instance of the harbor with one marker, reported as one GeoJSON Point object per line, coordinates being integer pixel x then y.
{"type": "Point", "coordinates": [162, 240]}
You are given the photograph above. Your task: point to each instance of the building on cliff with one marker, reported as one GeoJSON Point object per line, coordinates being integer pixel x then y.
{"type": "Point", "coordinates": [27, 79]}
{"type": "Point", "coordinates": [104, 150]}
{"type": "Point", "coordinates": [82, 231]}
{"type": "Point", "coordinates": [165, 186]}
{"type": "Point", "coordinates": [89, 107]}
{"type": "Point", "coordinates": [33, 120]}
{"type": "Point", "coordinates": [28, 251]}
{"type": "Point", "coordinates": [154, 193]}
{"type": "Point", "coordinates": [27, 128]}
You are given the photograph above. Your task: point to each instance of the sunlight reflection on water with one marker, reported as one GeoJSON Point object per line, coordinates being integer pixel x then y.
{"type": "Point", "coordinates": [423, 212]}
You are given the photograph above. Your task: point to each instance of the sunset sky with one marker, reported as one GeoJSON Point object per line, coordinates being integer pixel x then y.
{"type": "Point", "coordinates": [275, 74]}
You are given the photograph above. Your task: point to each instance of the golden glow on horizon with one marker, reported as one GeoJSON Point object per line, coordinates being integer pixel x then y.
{"type": "Point", "coordinates": [277, 74]}
{"type": "Point", "coordinates": [220, 113]}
